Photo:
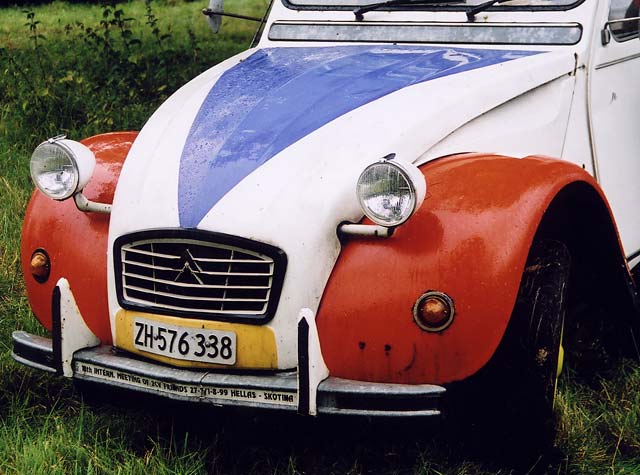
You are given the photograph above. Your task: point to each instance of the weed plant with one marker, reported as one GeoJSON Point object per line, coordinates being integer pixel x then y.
{"type": "Point", "coordinates": [84, 69]}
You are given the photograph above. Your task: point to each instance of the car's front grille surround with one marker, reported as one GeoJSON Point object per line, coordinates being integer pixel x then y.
{"type": "Point", "coordinates": [197, 274]}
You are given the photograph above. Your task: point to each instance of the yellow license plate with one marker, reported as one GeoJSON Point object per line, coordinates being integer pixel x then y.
{"type": "Point", "coordinates": [184, 343]}
{"type": "Point", "coordinates": [247, 346]}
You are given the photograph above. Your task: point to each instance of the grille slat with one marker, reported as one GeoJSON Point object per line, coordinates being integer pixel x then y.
{"type": "Point", "coordinates": [179, 284]}
{"type": "Point", "coordinates": [190, 310]}
{"type": "Point", "coordinates": [202, 259]}
{"type": "Point", "coordinates": [154, 254]}
{"type": "Point", "coordinates": [235, 261]}
{"type": "Point", "coordinates": [148, 266]}
{"type": "Point", "coordinates": [190, 277]}
{"type": "Point", "coordinates": [229, 273]}
{"type": "Point", "coordinates": [191, 297]}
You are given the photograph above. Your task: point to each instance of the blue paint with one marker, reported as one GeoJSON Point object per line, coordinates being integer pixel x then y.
{"type": "Point", "coordinates": [277, 96]}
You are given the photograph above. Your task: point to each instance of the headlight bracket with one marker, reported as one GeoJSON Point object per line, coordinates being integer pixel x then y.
{"type": "Point", "coordinates": [365, 230]}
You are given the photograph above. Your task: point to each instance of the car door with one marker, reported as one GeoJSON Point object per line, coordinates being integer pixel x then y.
{"type": "Point", "coordinates": [615, 116]}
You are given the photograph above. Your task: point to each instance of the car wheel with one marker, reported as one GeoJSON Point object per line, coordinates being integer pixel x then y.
{"type": "Point", "coordinates": [537, 335]}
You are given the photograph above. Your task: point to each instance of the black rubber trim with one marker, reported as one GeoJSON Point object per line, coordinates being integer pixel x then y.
{"type": "Point", "coordinates": [303, 367]}
{"type": "Point", "coordinates": [634, 255]}
{"type": "Point", "coordinates": [56, 330]}
{"type": "Point", "coordinates": [33, 354]}
{"type": "Point", "coordinates": [378, 402]}
{"type": "Point", "coordinates": [438, 8]}
{"type": "Point", "coordinates": [260, 31]}
{"type": "Point", "coordinates": [278, 255]}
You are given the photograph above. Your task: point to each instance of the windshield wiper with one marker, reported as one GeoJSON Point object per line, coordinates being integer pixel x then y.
{"type": "Point", "coordinates": [473, 11]}
{"type": "Point", "coordinates": [360, 11]}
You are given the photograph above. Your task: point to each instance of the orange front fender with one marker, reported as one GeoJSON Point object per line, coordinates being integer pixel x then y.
{"type": "Point", "coordinates": [76, 242]}
{"type": "Point", "coordinates": [470, 239]}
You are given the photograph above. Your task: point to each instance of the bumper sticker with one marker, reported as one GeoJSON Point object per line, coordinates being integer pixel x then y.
{"type": "Point", "coordinates": [186, 390]}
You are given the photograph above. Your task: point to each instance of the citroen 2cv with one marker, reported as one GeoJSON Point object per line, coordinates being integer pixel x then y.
{"type": "Point", "coordinates": [380, 209]}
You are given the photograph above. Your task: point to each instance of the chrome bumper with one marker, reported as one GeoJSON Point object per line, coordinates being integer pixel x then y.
{"type": "Point", "coordinates": [268, 391]}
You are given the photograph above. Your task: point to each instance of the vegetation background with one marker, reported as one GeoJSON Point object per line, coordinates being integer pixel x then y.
{"type": "Point", "coordinates": [85, 68]}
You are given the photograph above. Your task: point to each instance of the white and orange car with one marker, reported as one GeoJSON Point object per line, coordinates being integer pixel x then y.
{"type": "Point", "coordinates": [378, 209]}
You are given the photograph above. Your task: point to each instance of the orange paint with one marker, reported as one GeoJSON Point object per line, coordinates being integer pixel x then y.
{"type": "Point", "coordinates": [470, 239]}
{"type": "Point", "coordinates": [76, 241]}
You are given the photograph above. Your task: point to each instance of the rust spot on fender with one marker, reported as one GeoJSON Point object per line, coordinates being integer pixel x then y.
{"type": "Point", "coordinates": [413, 359]}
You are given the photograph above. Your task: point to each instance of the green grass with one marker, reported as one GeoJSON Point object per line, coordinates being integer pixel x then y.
{"type": "Point", "coordinates": [82, 79]}
{"type": "Point", "coordinates": [57, 15]}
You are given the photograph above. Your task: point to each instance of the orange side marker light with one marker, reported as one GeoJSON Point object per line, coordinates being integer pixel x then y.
{"type": "Point", "coordinates": [40, 266]}
{"type": "Point", "coordinates": [434, 311]}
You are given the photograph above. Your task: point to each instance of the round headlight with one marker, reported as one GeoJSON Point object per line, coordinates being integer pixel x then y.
{"type": "Point", "coordinates": [61, 167]}
{"type": "Point", "coordinates": [389, 191]}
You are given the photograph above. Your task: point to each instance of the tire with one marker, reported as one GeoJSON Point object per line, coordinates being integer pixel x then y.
{"type": "Point", "coordinates": [539, 318]}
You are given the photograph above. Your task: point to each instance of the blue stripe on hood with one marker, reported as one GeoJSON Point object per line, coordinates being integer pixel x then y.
{"type": "Point", "coordinates": [277, 96]}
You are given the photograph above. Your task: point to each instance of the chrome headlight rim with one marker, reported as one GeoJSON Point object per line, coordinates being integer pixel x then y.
{"type": "Point", "coordinates": [80, 160]}
{"type": "Point", "coordinates": [412, 177]}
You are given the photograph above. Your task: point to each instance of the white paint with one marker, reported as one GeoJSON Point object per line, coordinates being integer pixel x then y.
{"type": "Point", "coordinates": [147, 193]}
{"type": "Point", "coordinates": [615, 114]}
{"type": "Point", "coordinates": [75, 334]}
{"type": "Point", "coordinates": [318, 370]}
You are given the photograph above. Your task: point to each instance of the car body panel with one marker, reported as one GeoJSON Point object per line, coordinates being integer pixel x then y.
{"type": "Point", "coordinates": [469, 240]}
{"type": "Point", "coordinates": [614, 110]}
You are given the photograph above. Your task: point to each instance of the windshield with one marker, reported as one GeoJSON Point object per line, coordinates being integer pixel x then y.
{"type": "Point", "coordinates": [511, 5]}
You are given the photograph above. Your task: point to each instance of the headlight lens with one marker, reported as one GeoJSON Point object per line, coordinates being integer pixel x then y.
{"type": "Point", "coordinates": [61, 167]}
{"type": "Point", "coordinates": [389, 191]}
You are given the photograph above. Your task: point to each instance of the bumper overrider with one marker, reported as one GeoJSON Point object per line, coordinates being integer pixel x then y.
{"type": "Point", "coordinates": [73, 351]}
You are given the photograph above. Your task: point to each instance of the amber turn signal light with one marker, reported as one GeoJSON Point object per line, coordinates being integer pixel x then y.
{"type": "Point", "coordinates": [433, 311]}
{"type": "Point", "coordinates": [40, 266]}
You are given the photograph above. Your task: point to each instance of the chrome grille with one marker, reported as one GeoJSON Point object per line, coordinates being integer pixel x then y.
{"type": "Point", "coordinates": [186, 276]}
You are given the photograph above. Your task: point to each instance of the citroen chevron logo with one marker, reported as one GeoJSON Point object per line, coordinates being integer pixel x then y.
{"type": "Point", "coordinates": [190, 269]}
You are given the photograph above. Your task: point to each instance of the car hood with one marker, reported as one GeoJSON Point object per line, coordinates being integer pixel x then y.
{"type": "Point", "coordinates": [269, 144]}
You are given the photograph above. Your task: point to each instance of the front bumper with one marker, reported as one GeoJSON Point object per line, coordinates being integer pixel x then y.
{"type": "Point", "coordinates": [278, 390]}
